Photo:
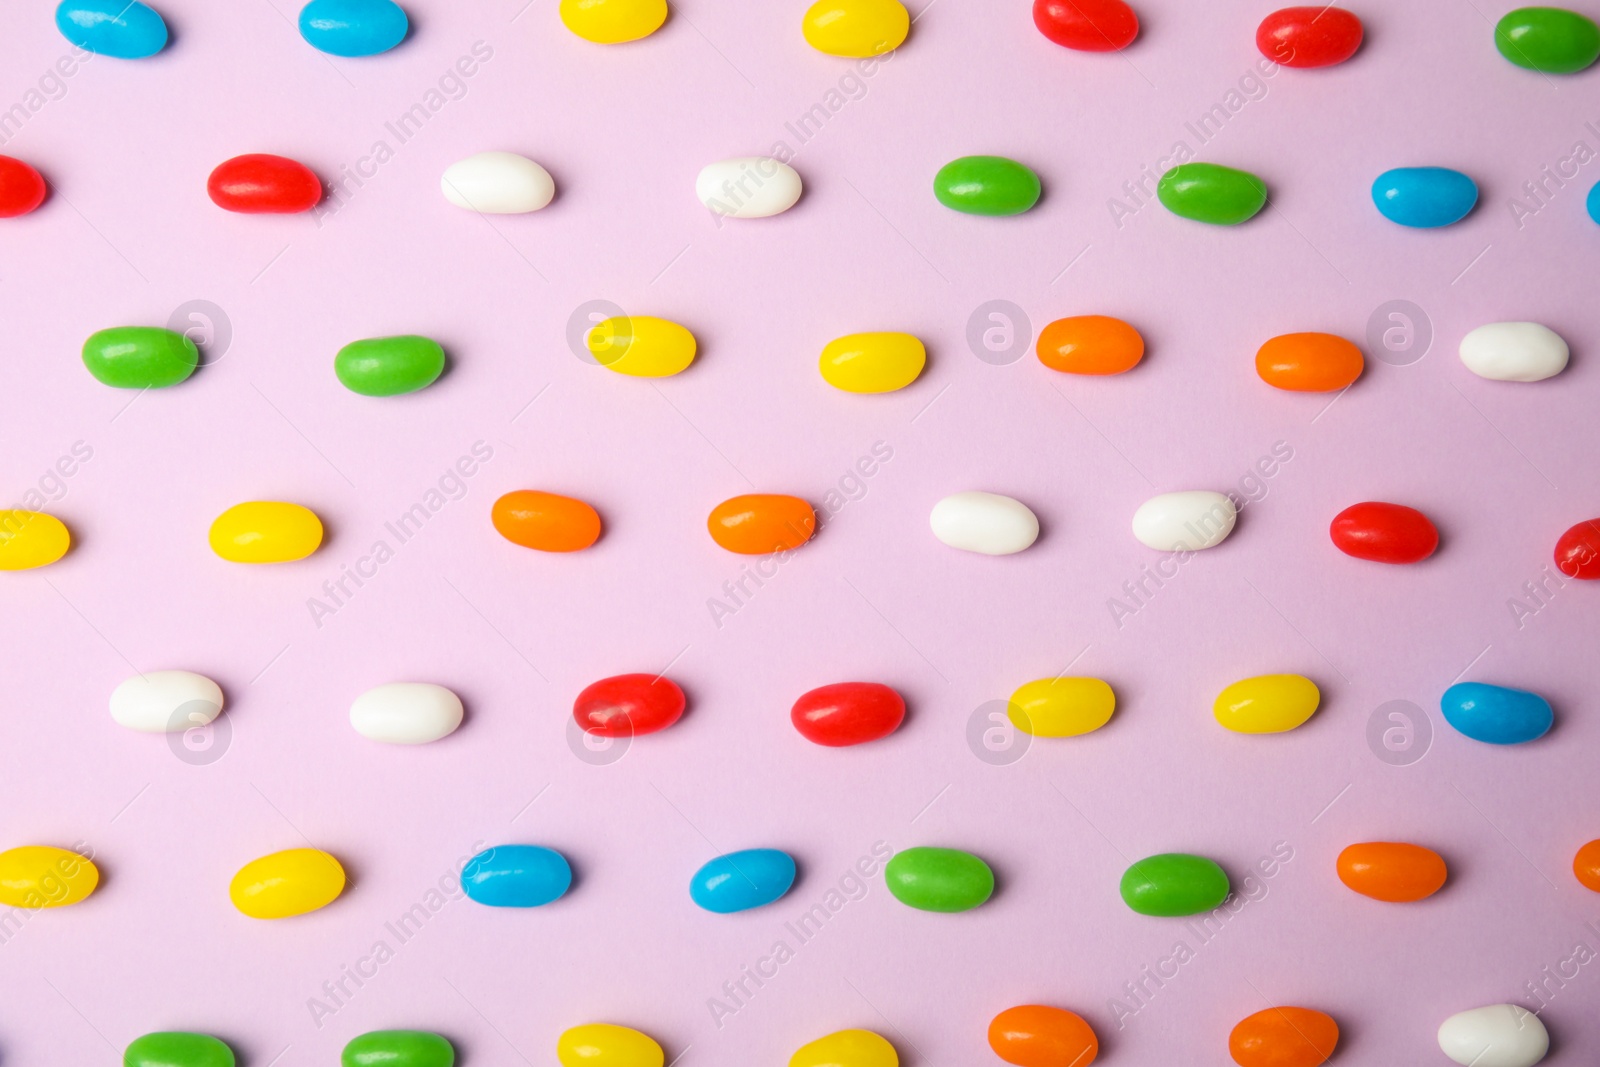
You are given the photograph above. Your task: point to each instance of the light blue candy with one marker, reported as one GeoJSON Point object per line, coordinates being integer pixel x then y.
{"type": "Point", "coordinates": [125, 29]}
{"type": "Point", "coordinates": [1593, 203]}
{"type": "Point", "coordinates": [353, 27]}
{"type": "Point", "coordinates": [740, 881]}
{"type": "Point", "coordinates": [516, 876]}
{"type": "Point", "coordinates": [1424, 197]}
{"type": "Point", "coordinates": [1495, 714]}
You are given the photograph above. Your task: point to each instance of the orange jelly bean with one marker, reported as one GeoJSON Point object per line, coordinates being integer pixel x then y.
{"type": "Point", "coordinates": [761, 523]}
{"type": "Point", "coordinates": [1033, 1035]}
{"type": "Point", "coordinates": [1586, 865]}
{"type": "Point", "coordinates": [546, 521]}
{"type": "Point", "coordinates": [1392, 871]}
{"type": "Point", "coordinates": [1090, 344]}
{"type": "Point", "coordinates": [1309, 362]}
{"type": "Point", "coordinates": [1284, 1037]}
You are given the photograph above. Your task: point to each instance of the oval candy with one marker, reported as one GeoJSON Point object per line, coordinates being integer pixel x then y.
{"type": "Point", "coordinates": [1284, 1037]}
{"type": "Point", "coordinates": [1268, 704]}
{"type": "Point", "coordinates": [846, 1048]}
{"type": "Point", "coordinates": [613, 21]}
{"type": "Point", "coordinates": [1185, 522]}
{"type": "Point", "coordinates": [406, 713]}
{"type": "Point", "coordinates": [398, 1048]}
{"type": "Point", "coordinates": [748, 187]}
{"type": "Point", "coordinates": [516, 876]}
{"type": "Point", "coordinates": [641, 346]}
{"type": "Point", "coordinates": [938, 879]}
{"type": "Point", "coordinates": [353, 27]}
{"type": "Point", "coordinates": [1174, 884]}
{"type": "Point", "coordinates": [1500, 1035]}
{"type": "Point", "coordinates": [1551, 40]}
{"type": "Point", "coordinates": [760, 524]}
{"type": "Point", "coordinates": [21, 188]}
{"type": "Point", "coordinates": [1087, 25]}
{"type": "Point", "coordinates": [1309, 36]}
{"type": "Point", "coordinates": [497, 183]}
{"type": "Point", "coordinates": [1586, 865]}
{"type": "Point", "coordinates": [628, 705]}
{"type": "Point", "coordinates": [266, 531]}
{"type": "Point", "coordinates": [163, 702]}
{"type": "Point", "coordinates": [1496, 714]}
{"type": "Point", "coordinates": [545, 521]}
{"type": "Point", "coordinates": [856, 29]}
{"type": "Point", "coordinates": [176, 1048]}
{"type": "Point", "coordinates": [140, 357]}
{"type": "Point", "coordinates": [873, 362]}
{"type": "Point", "coordinates": [1309, 362]}
{"type": "Point", "coordinates": [261, 184]}
{"type": "Point", "coordinates": [607, 1045]}
{"type": "Point", "coordinates": [1578, 551]}
{"type": "Point", "coordinates": [1424, 197]}
{"type": "Point", "coordinates": [1514, 352]}
{"type": "Point", "coordinates": [848, 713]}
{"type": "Point", "coordinates": [1591, 203]}
{"type": "Point", "coordinates": [1090, 344]}
{"type": "Point", "coordinates": [986, 523]}
{"type": "Point", "coordinates": [30, 539]}
{"type": "Point", "coordinates": [1211, 193]}
{"type": "Point", "coordinates": [1034, 1035]}
{"type": "Point", "coordinates": [288, 883]}
{"type": "Point", "coordinates": [389, 366]}
{"type": "Point", "coordinates": [986, 185]}
{"type": "Point", "coordinates": [1392, 871]}
{"type": "Point", "coordinates": [1061, 707]}
{"type": "Point", "coordinates": [1384, 533]}
{"type": "Point", "coordinates": [122, 29]}
{"type": "Point", "coordinates": [742, 880]}
{"type": "Point", "coordinates": [42, 876]}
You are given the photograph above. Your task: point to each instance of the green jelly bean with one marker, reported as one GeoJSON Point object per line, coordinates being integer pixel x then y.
{"type": "Point", "coordinates": [389, 366]}
{"type": "Point", "coordinates": [1174, 883]}
{"type": "Point", "coordinates": [174, 1048]}
{"type": "Point", "coordinates": [939, 879]}
{"type": "Point", "coordinates": [140, 357]}
{"type": "Point", "coordinates": [398, 1048]}
{"type": "Point", "coordinates": [986, 185]}
{"type": "Point", "coordinates": [1208, 192]}
{"type": "Point", "coordinates": [1548, 39]}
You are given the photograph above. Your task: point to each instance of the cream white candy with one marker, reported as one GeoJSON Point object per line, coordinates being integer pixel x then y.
{"type": "Point", "coordinates": [1514, 352]}
{"type": "Point", "coordinates": [1501, 1035]}
{"type": "Point", "coordinates": [984, 522]}
{"type": "Point", "coordinates": [166, 702]}
{"type": "Point", "coordinates": [1192, 520]}
{"type": "Point", "coordinates": [751, 187]}
{"type": "Point", "coordinates": [406, 713]}
{"type": "Point", "coordinates": [498, 183]}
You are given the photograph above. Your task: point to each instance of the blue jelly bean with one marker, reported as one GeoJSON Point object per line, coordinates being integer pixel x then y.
{"type": "Point", "coordinates": [1424, 197]}
{"type": "Point", "coordinates": [1593, 203]}
{"type": "Point", "coordinates": [125, 29]}
{"type": "Point", "coordinates": [740, 881]}
{"type": "Point", "coordinates": [516, 876]}
{"type": "Point", "coordinates": [1495, 714]}
{"type": "Point", "coordinates": [353, 27]}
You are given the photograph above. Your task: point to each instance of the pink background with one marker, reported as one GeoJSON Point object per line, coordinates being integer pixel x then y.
{"type": "Point", "coordinates": [128, 235]}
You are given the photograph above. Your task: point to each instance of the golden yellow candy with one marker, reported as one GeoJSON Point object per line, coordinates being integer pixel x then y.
{"type": "Point", "coordinates": [613, 21]}
{"type": "Point", "coordinates": [291, 882]}
{"type": "Point", "coordinates": [266, 531]}
{"type": "Point", "coordinates": [642, 346]}
{"type": "Point", "coordinates": [856, 28]}
{"type": "Point", "coordinates": [39, 876]}
{"type": "Point", "coordinates": [30, 539]}
{"type": "Point", "coordinates": [1269, 704]}
{"type": "Point", "coordinates": [873, 362]}
{"type": "Point", "coordinates": [1062, 707]}
{"type": "Point", "coordinates": [606, 1045]}
{"type": "Point", "coordinates": [847, 1048]}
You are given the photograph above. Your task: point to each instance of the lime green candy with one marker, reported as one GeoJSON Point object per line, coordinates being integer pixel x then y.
{"type": "Point", "coordinates": [986, 185]}
{"type": "Point", "coordinates": [1209, 192]}
{"type": "Point", "coordinates": [140, 357]}
{"type": "Point", "coordinates": [398, 1048]}
{"type": "Point", "coordinates": [939, 879]}
{"type": "Point", "coordinates": [1552, 40]}
{"type": "Point", "coordinates": [1174, 883]}
{"type": "Point", "coordinates": [174, 1048]}
{"type": "Point", "coordinates": [389, 366]}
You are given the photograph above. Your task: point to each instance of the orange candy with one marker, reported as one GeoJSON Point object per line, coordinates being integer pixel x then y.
{"type": "Point", "coordinates": [1392, 871]}
{"type": "Point", "coordinates": [1309, 362]}
{"type": "Point", "coordinates": [1036, 1036]}
{"type": "Point", "coordinates": [546, 521]}
{"type": "Point", "coordinates": [1284, 1037]}
{"type": "Point", "coordinates": [1090, 344]}
{"type": "Point", "coordinates": [1586, 865]}
{"type": "Point", "coordinates": [761, 523]}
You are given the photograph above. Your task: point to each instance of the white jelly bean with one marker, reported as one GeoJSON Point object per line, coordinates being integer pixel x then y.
{"type": "Point", "coordinates": [1188, 521]}
{"type": "Point", "coordinates": [406, 713]}
{"type": "Point", "coordinates": [1514, 352]}
{"type": "Point", "coordinates": [498, 183]}
{"type": "Point", "coordinates": [1501, 1035]}
{"type": "Point", "coordinates": [165, 702]}
{"type": "Point", "coordinates": [984, 522]}
{"type": "Point", "coordinates": [752, 187]}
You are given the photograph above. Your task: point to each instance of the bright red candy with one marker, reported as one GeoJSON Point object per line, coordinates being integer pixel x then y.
{"type": "Point", "coordinates": [1087, 25]}
{"type": "Point", "coordinates": [1384, 533]}
{"type": "Point", "coordinates": [628, 704]}
{"type": "Point", "coordinates": [264, 185]}
{"type": "Point", "coordinates": [1309, 36]}
{"type": "Point", "coordinates": [848, 713]}
{"type": "Point", "coordinates": [21, 188]}
{"type": "Point", "coordinates": [1578, 551]}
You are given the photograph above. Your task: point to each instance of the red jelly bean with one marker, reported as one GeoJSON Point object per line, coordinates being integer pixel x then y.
{"type": "Point", "coordinates": [1087, 25]}
{"type": "Point", "coordinates": [848, 713]}
{"type": "Point", "coordinates": [1384, 533]}
{"type": "Point", "coordinates": [628, 704]}
{"type": "Point", "coordinates": [264, 185]}
{"type": "Point", "coordinates": [1578, 551]}
{"type": "Point", "coordinates": [1309, 36]}
{"type": "Point", "coordinates": [21, 188]}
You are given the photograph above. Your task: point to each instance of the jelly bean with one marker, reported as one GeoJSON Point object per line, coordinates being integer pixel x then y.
{"type": "Point", "coordinates": [1210, 192]}
{"type": "Point", "coordinates": [1392, 871]}
{"type": "Point", "coordinates": [1185, 522]}
{"type": "Point", "coordinates": [1578, 551]}
{"type": "Point", "coordinates": [123, 29]}
{"type": "Point", "coordinates": [856, 28]}
{"type": "Point", "coordinates": [398, 1048]}
{"type": "Point", "coordinates": [353, 27]}
{"type": "Point", "coordinates": [1551, 40]}
{"type": "Point", "coordinates": [1384, 533]}
{"type": "Point", "coordinates": [1424, 197]}
{"type": "Point", "coordinates": [1087, 25]}
{"type": "Point", "coordinates": [1514, 352]}
{"type": "Point", "coordinates": [1309, 362]}
{"type": "Point", "coordinates": [846, 1048]}
{"type": "Point", "coordinates": [498, 183]}
{"type": "Point", "coordinates": [641, 346]}
{"type": "Point", "coordinates": [762, 523]}
{"type": "Point", "coordinates": [282, 884]}
{"type": "Point", "coordinates": [607, 1045]}
{"type": "Point", "coordinates": [1174, 883]}
{"type": "Point", "coordinates": [1267, 704]}
{"type": "Point", "coordinates": [1496, 714]}
{"type": "Point", "coordinates": [986, 185]}
{"type": "Point", "coordinates": [261, 184]}
{"type": "Point", "coordinates": [266, 531]}
{"type": "Point", "coordinates": [1309, 36]}
{"type": "Point", "coordinates": [21, 188]}
{"type": "Point", "coordinates": [750, 187]}
{"type": "Point", "coordinates": [939, 879]}
{"type": "Point", "coordinates": [873, 362]}
{"type": "Point", "coordinates": [613, 21]}
{"type": "Point", "coordinates": [406, 713]}
{"type": "Point", "coordinates": [545, 521]}
{"type": "Point", "coordinates": [848, 713]}
{"type": "Point", "coordinates": [389, 366]}
{"type": "Point", "coordinates": [30, 539]}
{"type": "Point", "coordinates": [175, 1048]}
{"type": "Point", "coordinates": [42, 876]}
{"type": "Point", "coordinates": [986, 523]}
{"type": "Point", "coordinates": [1284, 1037]}
{"type": "Point", "coordinates": [1061, 707]}
{"type": "Point", "coordinates": [516, 876]}
{"type": "Point", "coordinates": [162, 702]}
{"type": "Point", "coordinates": [743, 880]}
{"type": "Point", "coordinates": [629, 704]}
{"type": "Point", "coordinates": [1591, 203]}
{"type": "Point", "coordinates": [1090, 344]}
{"type": "Point", "coordinates": [1586, 865]}
{"type": "Point", "coordinates": [1500, 1035]}
{"type": "Point", "coordinates": [140, 357]}
{"type": "Point", "coordinates": [1033, 1035]}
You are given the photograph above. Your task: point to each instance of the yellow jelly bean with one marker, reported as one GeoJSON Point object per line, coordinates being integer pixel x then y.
{"type": "Point", "coordinates": [291, 882]}
{"type": "Point", "coordinates": [873, 362]}
{"type": "Point", "coordinates": [39, 876]}
{"type": "Point", "coordinates": [642, 346]}
{"type": "Point", "coordinates": [856, 28]}
{"type": "Point", "coordinates": [1062, 707]}
{"type": "Point", "coordinates": [1269, 704]}
{"type": "Point", "coordinates": [847, 1048]}
{"type": "Point", "coordinates": [30, 539]}
{"type": "Point", "coordinates": [266, 531]}
{"type": "Point", "coordinates": [607, 1045]}
{"type": "Point", "coordinates": [613, 21]}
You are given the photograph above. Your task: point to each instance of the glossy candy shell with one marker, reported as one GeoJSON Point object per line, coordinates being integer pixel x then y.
{"type": "Point", "coordinates": [353, 27]}
{"type": "Point", "coordinates": [613, 21]}
{"type": "Point", "coordinates": [1061, 707]}
{"type": "Point", "coordinates": [1384, 533]}
{"type": "Point", "coordinates": [516, 876]}
{"type": "Point", "coordinates": [1284, 1037]}
{"type": "Point", "coordinates": [1392, 871]}
{"type": "Point", "coordinates": [1211, 193]}
{"type": "Point", "coordinates": [178, 1049]}
{"type": "Point", "coordinates": [628, 705]}
{"type": "Point", "coordinates": [607, 1045]}
{"type": "Point", "coordinates": [846, 1048]}
{"type": "Point", "coordinates": [641, 346]}
{"type": "Point", "coordinates": [30, 539]}
{"type": "Point", "coordinates": [266, 531]}
{"type": "Point", "coordinates": [1090, 344]}
{"type": "Point", "coordinates": [1495, 714]}
{"type": "Point", "coordinates": [759, 524]}
{"type": "Point", "coordinates": [1551, 40]}
{"type": "Point", "coordinates": [398, 1048]}
{"type": "Point", "coordinates": [1174, 884]}
{"type": "Point", "coordinates": [1306, 37]}
{"type": "Point", "coordinates": [288, 883]}
{"type": "Point", "coordinates": [1309, 362]}
{"type": "Point", "coordinates": [1578, 551]}
{"type": "Point", "coordinates": [43, 876]}
{"type": "Point", "coordinates": [21, 188]}
{"type": "Point", "coordinates": [122, 29]}
{"type": "Point", "coordinates": [939, 879]}
{"type": "Point", "coordinates": [140, 357]}
{"type": "Point", "coordinates": [1087, 25]}
{"type": "Point", "coordinates": [986, 185]}
{"type": "Point", "coordinates": [1424, 197]}
{"type": "Point", "coordinates": [856, 29]}
{"type": "Point", "coordinates": [1034, 1035]}
{"type": "Point", "coordinates": [1267, 704]}
{"type": "Point", "coordinates": [389, 366]}
{"type": "Point", "coordinates": [743, 880]}
{"type": "Point", "coordinates": [848, 713]}
{"type": "Point", "coordinates": [1586, 865]}
{"type": "Point", "coordinates": [546, 521]}
{"type": "Point", "coordinates": [262, 184]}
